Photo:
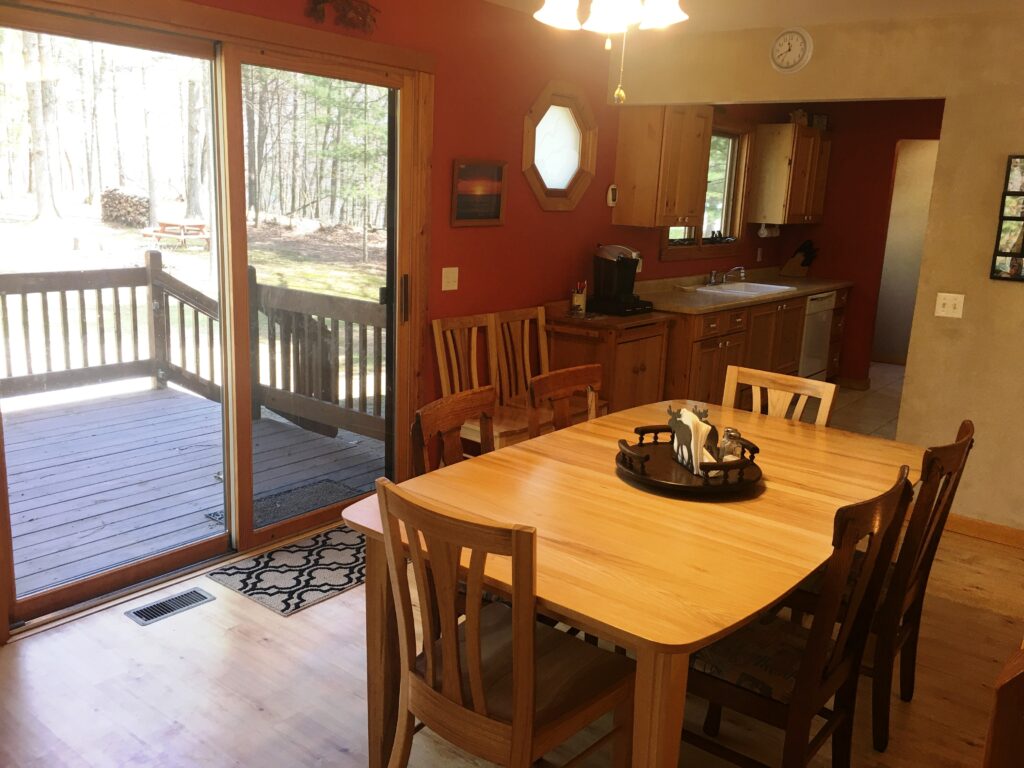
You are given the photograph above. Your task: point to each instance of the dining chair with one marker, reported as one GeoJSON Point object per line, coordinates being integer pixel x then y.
{"type": "Point", "coordinates": [896, 626]}
{"type": "Point", "coordinates": [778, 394]}
{"type": "Point", "coordinates": [554, 392]}
{"type": "Point", "coordinates": [497, 683]}
{"type": "Point", "coordinates": [783, 673]}
{"type": "Point", "coordinates": [522, 350]}
{"type": "Point", "coordinates": [466, 348]}
{"type": "Point", "coordinates": [1005, 744]}
{"type": "Point", "coordinates": [437, 428]}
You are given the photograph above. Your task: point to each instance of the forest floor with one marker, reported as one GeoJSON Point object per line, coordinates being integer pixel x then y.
{"type": "Point", "coordinates": [304, 256]}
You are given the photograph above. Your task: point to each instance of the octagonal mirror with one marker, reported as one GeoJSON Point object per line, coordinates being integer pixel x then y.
{"type": "Point", "coordinates": [559, 147]}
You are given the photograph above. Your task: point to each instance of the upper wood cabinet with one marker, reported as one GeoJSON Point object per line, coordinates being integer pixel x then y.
{"type": "Point", "coordinates": [661, 165]}
{"type": "Point", "coordinates": [789, 174]}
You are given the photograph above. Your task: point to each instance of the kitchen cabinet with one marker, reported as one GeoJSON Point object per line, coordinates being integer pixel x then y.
{"type": "Point", "coordinates": [789, 174]}
{"type": "Point", "coordinates": [709, 362]}
{"type": "Point", "coordinates": [776, 332]}
{"type": "Point", "coordinates": [661, 165]}
{"type": "Point", "coordinates": [631, 351]}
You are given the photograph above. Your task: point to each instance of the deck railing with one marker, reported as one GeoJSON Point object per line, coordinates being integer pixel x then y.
{"type": "Point", "coordinates": [318, 360]}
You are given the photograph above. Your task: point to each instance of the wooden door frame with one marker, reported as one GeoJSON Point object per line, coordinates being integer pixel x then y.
{"type": "Point", "coordinates": [178, 26]}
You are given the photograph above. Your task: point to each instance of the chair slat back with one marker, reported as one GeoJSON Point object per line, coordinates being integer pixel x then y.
{"type": "Point", "coordinates": [874, 527]}
{"type": "Point", "coordinates": [1005, 743]}
{"type": "Point", "coordinates": [437, 428]}
{"type": "Point", "coordinates": [449, 553]}
{"type": "Point", "coordinates": [941, 470]}
{"type": "Point", "coordinates": [555, 390]}
{"type": "Point", "coordinates": [779, 395]}
{"type": "Point", "coordinates": [465, 347]}
{"type": "Point", "coordinates": [522, 352]}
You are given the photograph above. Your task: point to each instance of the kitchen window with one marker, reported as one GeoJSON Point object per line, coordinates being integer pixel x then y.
{"type": "Point", "coordinates": [722, 223]}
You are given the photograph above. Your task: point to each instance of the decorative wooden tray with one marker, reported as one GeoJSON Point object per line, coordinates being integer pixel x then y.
{"type": "Point", "coordinates": [653, 464]}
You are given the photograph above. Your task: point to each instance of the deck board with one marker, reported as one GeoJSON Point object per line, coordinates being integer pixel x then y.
{"type": "Point", "coordinates": [97, 484]}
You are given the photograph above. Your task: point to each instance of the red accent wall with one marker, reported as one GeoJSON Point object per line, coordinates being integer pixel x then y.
{"type": "Point", "coordinates": [491, 64]}
{"type": "Point", "coordinates": [851, 237]}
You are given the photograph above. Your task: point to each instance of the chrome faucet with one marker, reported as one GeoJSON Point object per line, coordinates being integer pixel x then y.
{"type": "Point", "coordinates": [713, 278]}
{"type": "Point", "coordinates": [742, 270]}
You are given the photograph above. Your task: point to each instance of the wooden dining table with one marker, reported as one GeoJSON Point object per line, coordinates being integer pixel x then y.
{"type": "Point", "coordinates": [659, 575]}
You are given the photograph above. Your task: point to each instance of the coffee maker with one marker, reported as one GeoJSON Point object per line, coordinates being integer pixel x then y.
{"type": "Point", "coordinates": [614, 272]}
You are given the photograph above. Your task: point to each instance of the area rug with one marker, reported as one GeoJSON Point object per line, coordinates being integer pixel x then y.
{"type": "Point", "coordinates": [291, 578]}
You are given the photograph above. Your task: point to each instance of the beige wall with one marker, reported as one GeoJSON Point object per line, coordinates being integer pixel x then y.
{"type": "Point", "coordinates": [971, 368]}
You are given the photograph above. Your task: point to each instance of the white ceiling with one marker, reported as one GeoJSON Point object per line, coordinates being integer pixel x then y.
{"type": "Point", "coordinates": [721, 15]}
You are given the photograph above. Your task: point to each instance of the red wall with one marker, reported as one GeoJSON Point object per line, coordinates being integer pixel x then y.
{"type": "Point", "coordinates": [851, 236]}
{"type": "Point", "coordinates": [491, 64]}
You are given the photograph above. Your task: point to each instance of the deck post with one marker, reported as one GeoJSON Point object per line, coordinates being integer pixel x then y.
{"type": "Point", "coordinates": [254, 343]}
{"type": "Point", "coordinates": [157, 301]}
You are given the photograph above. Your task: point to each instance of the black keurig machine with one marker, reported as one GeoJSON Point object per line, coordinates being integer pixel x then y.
{"type": "Point", "coordinates": [614, 272]}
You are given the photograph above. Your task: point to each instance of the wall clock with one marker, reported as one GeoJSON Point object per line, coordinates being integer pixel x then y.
{"type": "Point", "coordinates": [791, 50]}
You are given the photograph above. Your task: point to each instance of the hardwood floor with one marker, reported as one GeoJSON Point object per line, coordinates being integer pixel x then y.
{"type": "Point", "coordinates": [233, 684]}
{"type": "Point", "coordinates": [99, 483]}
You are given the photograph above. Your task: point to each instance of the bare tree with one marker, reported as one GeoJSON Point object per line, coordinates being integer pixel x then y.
{"type": "Point", "coordinates": [193, 151]}
{"type": "Point", "coordinates": [150, 176]}
{"type": "Point", "coordinates": [39, 160]}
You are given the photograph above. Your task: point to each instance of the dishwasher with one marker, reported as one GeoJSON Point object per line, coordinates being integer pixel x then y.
{"type": "Point", "coordinates": [817, 335]}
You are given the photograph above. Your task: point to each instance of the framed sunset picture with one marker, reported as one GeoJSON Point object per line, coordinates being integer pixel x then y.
{"type": "Point", "coordinates": [478, 193]}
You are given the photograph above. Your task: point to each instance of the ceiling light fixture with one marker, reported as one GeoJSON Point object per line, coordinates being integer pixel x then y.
{"type": "Point", "coordinates": [612, 17]}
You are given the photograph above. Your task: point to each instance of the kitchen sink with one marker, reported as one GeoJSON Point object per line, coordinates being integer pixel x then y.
{"type": "Point", "coordinates": [746, 289]}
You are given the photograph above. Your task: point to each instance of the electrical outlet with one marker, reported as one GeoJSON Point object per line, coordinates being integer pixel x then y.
{"type": "Point", "coordinates": [450, 279]}
{"type": "Point", "coordinates": [949, 305]}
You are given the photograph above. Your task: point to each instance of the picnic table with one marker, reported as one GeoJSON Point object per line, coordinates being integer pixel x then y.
{"type": "Point", "coordinates": [180, 232]}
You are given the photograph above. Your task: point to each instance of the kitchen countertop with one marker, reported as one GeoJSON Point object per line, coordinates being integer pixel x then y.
{"type": "Point", "coordinates": [692, 302]}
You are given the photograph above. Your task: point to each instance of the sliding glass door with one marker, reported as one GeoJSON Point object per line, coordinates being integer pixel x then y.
{"type": "Point", "coordinates": [317, 155]}
{"type": "Point", "coordinates": [110, 353]}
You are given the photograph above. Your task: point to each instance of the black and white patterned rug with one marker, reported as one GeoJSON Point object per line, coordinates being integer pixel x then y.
{"type": "Point", "coordinates": [302, 574]}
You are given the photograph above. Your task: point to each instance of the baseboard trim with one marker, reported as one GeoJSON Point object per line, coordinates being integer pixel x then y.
{"type": "Point", "coordinates": [986, 531]}
{"type": "Point", "coordinates": [858, 384]}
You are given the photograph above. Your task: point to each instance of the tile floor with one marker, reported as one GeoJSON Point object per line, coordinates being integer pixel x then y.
{"type": "Point", "coordinates": [872, 411]}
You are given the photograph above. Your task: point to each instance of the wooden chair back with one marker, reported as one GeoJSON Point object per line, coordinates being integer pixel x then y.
{"type": "Point", "coordinates": [522, 352]}
{"type": "Point", "coordinates": [466, 347]}
{"type": "Point", "coordinates": [437, 428]}
{"type": "Point", "coordinates": [941, 470]}
{"type": "Point", "coordinates": [831, 659]}
{"type": "Point", "coordinates": [779, 395]}
{"type": "Point", "coordinates": [555, 390]}
{"type": "Point", "coordinates": [448, 554]}
{"type": "Point", "coordinates": [1005, 744]}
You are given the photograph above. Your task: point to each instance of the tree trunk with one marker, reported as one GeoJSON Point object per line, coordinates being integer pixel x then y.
{"type": "Point", "coordinates": [250, 142]}
{"type": "Point", "coordinates": [150, 176]}
{"type": "Point", "coordinates": [194, 158]}
{"type": "Point", "coordinates": [295, 147]}
{"type": "Point", "coordinates": [366, 170]}
{"type": "Point", "coordinates": [117, 129]}
{"type": "Point", "coordinates": [39, 162]}
{"type": "Point", "coordinates": [87, 137]}
{"type": "Point", "coordinates": [97, 89]}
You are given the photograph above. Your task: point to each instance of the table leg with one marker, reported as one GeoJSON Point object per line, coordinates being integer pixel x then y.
{"type": "Point", "coordinates": [382, 655]}
{"type": "Point", "coordinates": [658, 707]}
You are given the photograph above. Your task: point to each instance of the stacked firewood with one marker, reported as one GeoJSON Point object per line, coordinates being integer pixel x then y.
{"type": "Point", "coordinates": [120, 206]}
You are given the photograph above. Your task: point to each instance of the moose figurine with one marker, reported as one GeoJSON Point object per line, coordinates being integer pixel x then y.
{"type": "Point", "coordinates": [694, 438]}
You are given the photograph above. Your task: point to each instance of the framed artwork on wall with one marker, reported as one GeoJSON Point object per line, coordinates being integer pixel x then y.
{"type": "Point", "coordinates": [1008, 261]}
{"type": "Point", "coordinates": [478, 193]}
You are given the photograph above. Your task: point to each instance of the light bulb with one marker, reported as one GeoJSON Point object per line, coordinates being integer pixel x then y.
{"type": "Point", "coordinates": [609, 17]}
{"type": "Point", "coordinates": [658, 14]}
{"type": "Point", "coordinates": [559, 13]}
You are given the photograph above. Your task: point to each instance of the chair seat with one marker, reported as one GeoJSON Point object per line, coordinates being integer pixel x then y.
{"type": "Point", "coordinates": [568, 670]}
{"type": "Point", "coordinates": [762, 657]}
{"type": "Point", "coordinates": [811, 586]}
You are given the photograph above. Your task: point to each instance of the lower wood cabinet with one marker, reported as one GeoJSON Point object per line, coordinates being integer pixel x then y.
{"type": "Point", "coordinates": [631, 351]}
{"type": "Point", "coordinates": [709, 361]}
{"type": "Point", "coordinates": [776, 333]}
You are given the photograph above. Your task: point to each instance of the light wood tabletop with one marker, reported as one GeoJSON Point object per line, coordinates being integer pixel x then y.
{"type": "Point", "coordinates": [662, 576]}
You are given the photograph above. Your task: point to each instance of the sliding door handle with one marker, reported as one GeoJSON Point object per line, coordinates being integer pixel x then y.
{"type": "Point", "coordinates": [405, 298]}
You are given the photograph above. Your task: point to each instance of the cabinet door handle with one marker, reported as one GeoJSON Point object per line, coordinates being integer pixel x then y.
{"type": "Point", "coordinates": [719, 345]}
{"type": "Point", "coordinates": [727, 345]}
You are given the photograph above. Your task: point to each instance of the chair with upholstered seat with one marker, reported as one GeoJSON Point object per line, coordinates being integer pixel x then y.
{"type": "Point", "coordinates": [783, 673]}
{"type": "Point", "coordinates": [897, 624]}
{"type": "Point", "coordinates": [777, 394]}
{"type": "Point", "coordinates": [554, 392]}
{"type": "Point", "coordinates": [497, 683]}
{"type": "Point", "coordinates": [437, 428]}
{"type": "Point", "coordinates": [467, 352]}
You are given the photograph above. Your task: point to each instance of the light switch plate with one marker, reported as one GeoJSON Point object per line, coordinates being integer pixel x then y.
{"type": "Point", "coordinates": [450, 278]}
{"type": "Point", "coordinates": [949, 305]}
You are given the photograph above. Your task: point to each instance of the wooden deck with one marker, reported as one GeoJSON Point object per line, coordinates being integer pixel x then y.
{"type": "Point", "coordinates": [100, 483]}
